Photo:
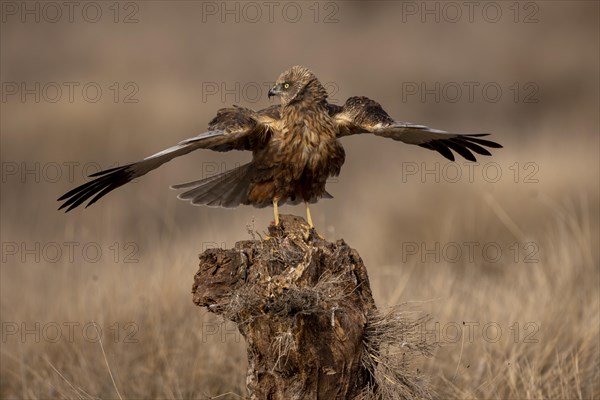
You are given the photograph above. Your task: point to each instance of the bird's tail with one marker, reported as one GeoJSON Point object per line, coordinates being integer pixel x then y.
{"type": "Point", "coordinates": [228, 189]}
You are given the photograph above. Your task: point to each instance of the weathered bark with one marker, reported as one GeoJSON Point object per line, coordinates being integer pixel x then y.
{"type": "Point", "coordinates": [301, 303]}
{"type": "Point", "coordinates": [306, 310]}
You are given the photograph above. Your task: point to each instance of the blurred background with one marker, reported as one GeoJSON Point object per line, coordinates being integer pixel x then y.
{"type": "Point", "coordinates": [503, 253]}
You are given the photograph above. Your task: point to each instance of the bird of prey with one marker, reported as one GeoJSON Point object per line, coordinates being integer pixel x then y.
{"type": "Point", "coordinates": [295, 148]}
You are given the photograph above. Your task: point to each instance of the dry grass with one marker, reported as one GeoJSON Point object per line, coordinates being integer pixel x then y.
{"type": "Point", "coordinates": [179, 351]}
{"type": "Point", "coordinates": [393, 341]}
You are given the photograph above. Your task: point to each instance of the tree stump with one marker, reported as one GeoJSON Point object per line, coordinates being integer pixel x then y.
{"type": "Point", "coordinates": [303, 305]}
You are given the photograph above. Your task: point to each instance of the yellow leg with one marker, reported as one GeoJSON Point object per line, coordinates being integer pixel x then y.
{"type": "Point", "coordinates": [276, 211]}
{"type": "Point", "coordinates": [310, 222]}
{"type": "Point", "coordinates": [308, 216]}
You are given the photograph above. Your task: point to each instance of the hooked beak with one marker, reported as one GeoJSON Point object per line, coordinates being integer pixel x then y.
{"type": "Point", "coordinates": [275, 90]}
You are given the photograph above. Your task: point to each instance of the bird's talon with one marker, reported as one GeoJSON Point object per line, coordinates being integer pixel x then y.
{"type": "Point", "coordinates": [313, 230]}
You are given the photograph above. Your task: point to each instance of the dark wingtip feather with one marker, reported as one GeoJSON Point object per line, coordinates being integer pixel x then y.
{"type": "Point", "coordinates": [442, 148]}
{"type": "Point", "coordinates": [483, 142]}
{"type": "Point", "coordinates": [461, 149]}
{"type": "Point", "coordinates": [465, 143]}
{"type": "Point", "coordinates": [71, 193]}
{"type": "Point", "coordinates": [107, 171]}
{"type": "Point", "coordinates": [103, 193]}
{"type": "Point", "coordinates": [98, 187]}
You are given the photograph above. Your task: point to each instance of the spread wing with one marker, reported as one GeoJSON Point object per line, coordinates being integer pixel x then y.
{"type": "Point", "coordinates": [232, 129]}
{"type": "Point", "coordinates": [363, 115]}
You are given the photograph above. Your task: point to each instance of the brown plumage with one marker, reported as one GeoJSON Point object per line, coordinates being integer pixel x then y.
{"type": "Point", "coordinates": [294, 145]}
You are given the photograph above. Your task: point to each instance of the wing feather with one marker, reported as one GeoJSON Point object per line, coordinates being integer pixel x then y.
{"type": "Point", "coordinates": [233, 128]}
{"type": "Point", "coordinates": [361, 115]}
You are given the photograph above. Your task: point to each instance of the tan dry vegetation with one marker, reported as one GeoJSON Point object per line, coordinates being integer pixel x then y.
{"type": "Point", "coordinates": [180, 351]}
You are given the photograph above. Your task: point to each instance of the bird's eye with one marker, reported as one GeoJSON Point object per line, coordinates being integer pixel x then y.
{"type": "Point", "coordinates": [286, 85]}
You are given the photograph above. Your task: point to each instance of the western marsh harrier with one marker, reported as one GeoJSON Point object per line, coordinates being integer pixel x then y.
{"type": "Point", "coordinates": [295, 148]}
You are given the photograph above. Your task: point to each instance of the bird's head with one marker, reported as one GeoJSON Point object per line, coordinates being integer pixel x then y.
{"type": "Point", "coordinates": [298, 83]}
